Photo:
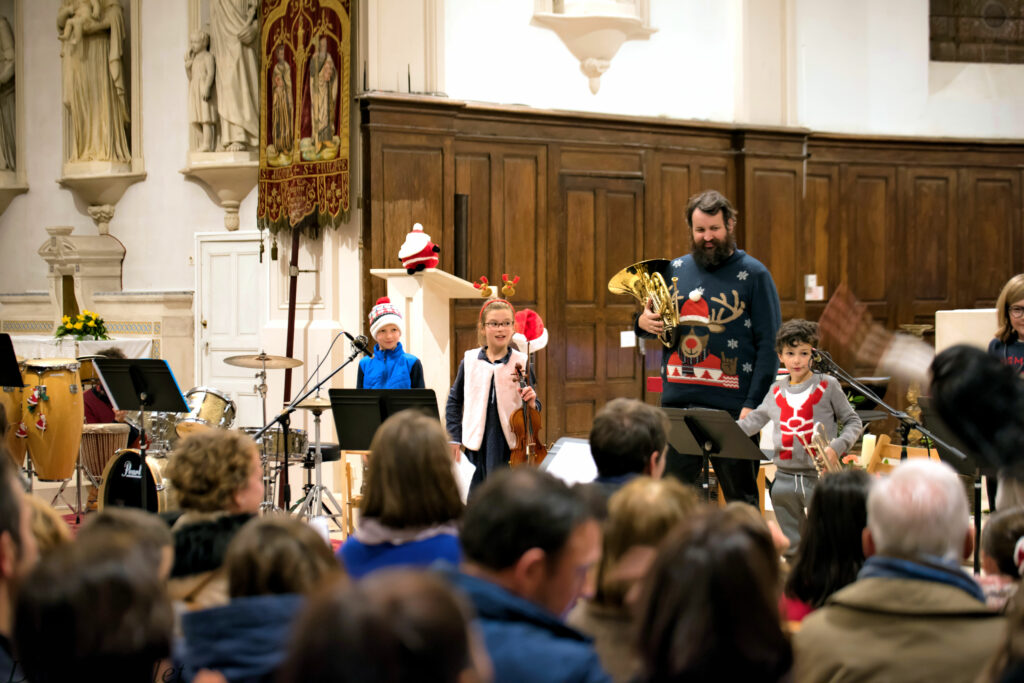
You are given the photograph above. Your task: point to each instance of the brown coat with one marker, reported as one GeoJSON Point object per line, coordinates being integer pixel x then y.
{"type": "Point", "coordinates": [888, 629]}
{"type": "Point", "coordinates": [612, 631]}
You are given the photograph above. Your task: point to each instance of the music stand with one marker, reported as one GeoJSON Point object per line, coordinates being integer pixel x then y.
{"type": "Point", "coordinates": [706, 432]}
{"type": "Point", "coordinates": [359, 412]}
{"type": "Point", "coordinates": [10, 373]}
{"type": "Point", "coordinates": [146, 383]}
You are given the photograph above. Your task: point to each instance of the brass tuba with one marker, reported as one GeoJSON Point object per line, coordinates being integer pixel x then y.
{"type": "Point", "coordinates": [644, 281]}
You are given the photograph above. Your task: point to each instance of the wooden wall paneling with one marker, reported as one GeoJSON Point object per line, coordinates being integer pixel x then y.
{"type": "Point", "coordinates": [990, 234]}
{"type": "Point", "coordinates": [871, 250]}
{"type": "Point", "coordinates": [820, 226]}
{"type": "Point", "coordinates": [929, 269]}
{"type": "Point", "coordinates": [603, 230]}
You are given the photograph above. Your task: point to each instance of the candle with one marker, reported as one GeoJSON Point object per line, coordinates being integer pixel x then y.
{"type": "Point", "coordinates": [867, 447]}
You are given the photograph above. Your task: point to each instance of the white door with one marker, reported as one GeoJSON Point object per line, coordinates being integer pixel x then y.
{"type": "Point", "coordinates": [232, 292]}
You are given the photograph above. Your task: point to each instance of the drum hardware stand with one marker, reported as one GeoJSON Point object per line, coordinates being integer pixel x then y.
{"type": "Point", "coordinates": [267, 505]}
{"type": "Point", "coordinates": [315, 503]}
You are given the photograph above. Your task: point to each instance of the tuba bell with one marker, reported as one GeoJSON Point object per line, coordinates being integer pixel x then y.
{"type": "Point", "coordinates": [644, 281]}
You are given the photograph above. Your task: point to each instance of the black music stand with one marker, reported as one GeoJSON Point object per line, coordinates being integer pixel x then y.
{"type": "Point", "coordinates": [147, 383]}
{"type": "Point", "coordinates": [359, 412]}
{"type": "Point", "coordinates": [706, 432]}
{"type": "Point", "coordinates": [10, 373]}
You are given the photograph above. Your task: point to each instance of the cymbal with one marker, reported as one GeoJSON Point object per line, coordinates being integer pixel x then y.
{"type": "Point", "coordinates": [315, 403]}
{"type": "Point", "coordinates": [261, 360]}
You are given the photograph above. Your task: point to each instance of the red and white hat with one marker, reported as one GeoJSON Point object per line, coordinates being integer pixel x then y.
{"type": "Point", "coordinates": [694, 308]}
{"type": "Point", "coordinates": [529, 328]}
{"type": "Point", "coordinates": [384, 313]}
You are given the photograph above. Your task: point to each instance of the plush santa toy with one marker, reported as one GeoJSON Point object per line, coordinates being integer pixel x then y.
{"type": "Point", "coordinates": [529, 329]}
{"type": "Point", "coordinates": [418, 252]}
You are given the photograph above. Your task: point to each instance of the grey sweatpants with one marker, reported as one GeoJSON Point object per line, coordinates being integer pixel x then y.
{"type": "Point", "coordinates": [791, 494]}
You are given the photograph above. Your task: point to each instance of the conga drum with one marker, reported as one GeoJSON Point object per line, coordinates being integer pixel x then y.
{"type": "Point", "coordinates": [10, 399]}
{"type": "Point", "coordinates": [53, 412]}
{"type": "Point", "coordinates": [99, 444]}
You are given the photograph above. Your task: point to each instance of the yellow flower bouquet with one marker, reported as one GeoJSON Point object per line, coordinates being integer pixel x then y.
{"type": "Point", "coordinates": [86, 325]}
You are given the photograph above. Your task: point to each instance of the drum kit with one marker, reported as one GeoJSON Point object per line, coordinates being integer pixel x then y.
{"type": "Point", "coordinates": [49, 440]}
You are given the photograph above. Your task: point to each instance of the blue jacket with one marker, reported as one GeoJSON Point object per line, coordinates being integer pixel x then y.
{"type": "Point", "coordinates": [360, 559]}
{"type": "Point", "coordinates": [245, 640]}
{"type": "Point", "coordinates": [394, 369]}
{"type": "Point", "coordinates": [525, 641]}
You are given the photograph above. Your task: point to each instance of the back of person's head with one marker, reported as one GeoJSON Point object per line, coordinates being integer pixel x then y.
{"type": "Point", "coordinates": [280, 554]}
{"type": "Point", "coordinates": [625, 433]}
{"type": "Point", "coordinates": [394, 626]}
{"type": "Point", "coordinates": [144, 530]}
{"type": "Point", "coordinates": [1003, 534]}
{"type": "Point", "coordinates": [709, 610]}
{"type": "Point", "coordinates": [16, 539]}
{"type": "Point", "coordinates": [112, 352]}
{"type": "Point", "coordinates": [981, 399]}
{"type": "Point", "coordinates": [919, 509]}
{"type": "Point", "coordinates": [831, 552]}
{"type": "Point", "coordinates": [641, 513]}
{"type": "Point", "coordinates": [48, 527]}
{"type": "Point", "coordinates": [410, 482]}
{"type": "Point", "coordinates": [102, 602]}
{"type": "Point", "coordinates": [516, 510]}
{"type": "Point", "coordinates": [209, 467]}
{"type": "Point", "coordinates": [795, 332]}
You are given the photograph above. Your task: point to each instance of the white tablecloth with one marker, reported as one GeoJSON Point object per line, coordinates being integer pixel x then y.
{"type": "Point", "coordinates": [39, 346]}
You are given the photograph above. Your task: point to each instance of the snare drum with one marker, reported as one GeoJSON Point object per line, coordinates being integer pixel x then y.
{"type": "Point", "coordinates": [10, 400]}
{"type": "Point", "coordinates": [122, 483]}
{"type": "Point", "coordinates": [53, 412]}
{"type": "Point", "coordinates": [209, 408]}
{"type": "Point", "coordinates": [273, 439]}
{"type": "Point", "coordinates": [99, 444]}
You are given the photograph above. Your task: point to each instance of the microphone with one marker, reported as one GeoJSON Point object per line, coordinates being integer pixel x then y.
{"type": "Point", "coordinates": [361, 344]}
{"type": "Point", "coordinates": [821, 361]}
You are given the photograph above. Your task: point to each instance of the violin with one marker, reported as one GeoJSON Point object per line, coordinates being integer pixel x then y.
{"type": "Point", "coordinates": [526, 425]}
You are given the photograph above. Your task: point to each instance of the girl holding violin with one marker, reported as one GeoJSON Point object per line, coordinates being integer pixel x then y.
{"type": "Point", "coordinates": [487, 392]}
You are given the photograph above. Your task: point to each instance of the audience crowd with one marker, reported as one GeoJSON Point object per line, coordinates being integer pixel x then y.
{"type": "Point", "coordinates": [632, 578]}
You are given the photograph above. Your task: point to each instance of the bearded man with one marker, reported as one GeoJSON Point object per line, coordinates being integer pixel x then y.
{"type": "Point", "coordinates": [723, 352]}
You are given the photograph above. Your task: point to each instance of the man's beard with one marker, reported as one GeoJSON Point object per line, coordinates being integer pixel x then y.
{"type": "Point", "coordinates": [716, 256]}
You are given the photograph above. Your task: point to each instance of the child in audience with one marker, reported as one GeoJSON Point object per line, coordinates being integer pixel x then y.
{"type": "Point", "coordinates": [390, 367]}
{"type": "Point", "coordinates": [486, 393]}
{"type": "Point", "coordinates": [794, 405]}
{"type": "Point", "coordinates": [830, 552]}
{"type": "Point", "coordinates": [1002, 557]}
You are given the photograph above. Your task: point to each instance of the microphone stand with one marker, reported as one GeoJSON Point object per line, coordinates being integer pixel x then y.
{"type": "Point", "coordinates": [284, 418]}
{"type": "Point", "coordinates": [907, 423]}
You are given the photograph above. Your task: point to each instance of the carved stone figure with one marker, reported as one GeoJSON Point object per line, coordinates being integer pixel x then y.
{"type": "Point", "coordinates": [202, 108]}
{"type": "Point", "coordinates": [8, 151]}
{"type": "Point", "coordinates": [233, 32]}
{"type": "Point", "coordinates": [323, 91]}
{"type": "Point", "coordinates": [283, 106]}
{"type": "Point", "coordinates": [94, 89]}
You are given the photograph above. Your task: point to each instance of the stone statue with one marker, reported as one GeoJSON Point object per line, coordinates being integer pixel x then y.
{"type": "Point", "coordinates": [323, 91]}
{"type": "Point", "coordinates": [8, 130]}
{"type": "Point", "coordinates": [202, 109]}
{"type": "Point", "coordinates": [234, 28]}
{"type": "Point", "coordinates": [94, 89]}
{"type": "Point", "coordinates": [283, 105]}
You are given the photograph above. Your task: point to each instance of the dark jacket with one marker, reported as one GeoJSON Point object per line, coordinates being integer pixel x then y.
{"type": "Point", "coordinates": [394, 369]}
{"type": "Point", "coordinates": [525, 641]}
{"type": "Point", "coordinates": [245, 640]}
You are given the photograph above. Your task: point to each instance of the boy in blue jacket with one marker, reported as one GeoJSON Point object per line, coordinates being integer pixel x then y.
{"type": "Point", "coordinates": [390, 367]}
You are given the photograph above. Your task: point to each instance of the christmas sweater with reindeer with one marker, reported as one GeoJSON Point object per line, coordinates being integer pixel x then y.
{"type": "Point", "coordinates": [725, 357]}
{"type": "Point", "coordinates": [793, 410]}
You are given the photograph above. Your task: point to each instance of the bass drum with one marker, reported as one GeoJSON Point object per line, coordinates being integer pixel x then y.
{"type": "Point", "coordinates": [121, 483]}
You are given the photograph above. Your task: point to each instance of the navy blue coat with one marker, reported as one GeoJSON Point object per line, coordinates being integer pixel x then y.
{"type": "Point", "coordinates": [525, 641]}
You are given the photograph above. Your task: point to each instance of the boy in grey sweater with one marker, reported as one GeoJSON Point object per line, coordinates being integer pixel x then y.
{"type": "Point", "coordinates": [793, 405]}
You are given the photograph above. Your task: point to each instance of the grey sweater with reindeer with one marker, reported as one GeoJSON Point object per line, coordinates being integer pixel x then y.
{"type": "Point", "coordinates": [794, 409]}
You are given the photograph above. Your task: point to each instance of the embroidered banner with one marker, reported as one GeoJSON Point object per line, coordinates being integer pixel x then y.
{"type": "Point", "coordinates": [304, 114]}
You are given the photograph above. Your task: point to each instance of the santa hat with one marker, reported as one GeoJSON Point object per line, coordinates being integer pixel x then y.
{"type": "Point", "coordinates": [530, 328]}
{"type": "Point", "coordinates": [695, 308]}
{"type": "Point", "coordinates": [384, 313]}
{"type": "Point", "coordinates": [415, 242]}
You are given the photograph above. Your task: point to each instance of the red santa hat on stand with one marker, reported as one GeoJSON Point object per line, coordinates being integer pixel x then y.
{"type": "Point", "coordinates": [384, 313]}
{"type": "Point", "coordinates": [695, 308]}
{"type": "Point", "coordinates": [529, 327]}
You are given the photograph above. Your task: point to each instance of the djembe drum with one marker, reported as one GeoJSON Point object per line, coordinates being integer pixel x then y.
{"type": "Point", "coordinates": [99, 444]}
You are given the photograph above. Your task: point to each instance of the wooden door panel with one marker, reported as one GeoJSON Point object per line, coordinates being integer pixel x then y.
{"type": "Point", "coordinates": [820, 226]}
{"type": "Point", "coordinates": [930, 269]}
{"type": "Point", "coordinates": [990, 233]}
{"type": "Point", "coordinates": [871, 245]}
